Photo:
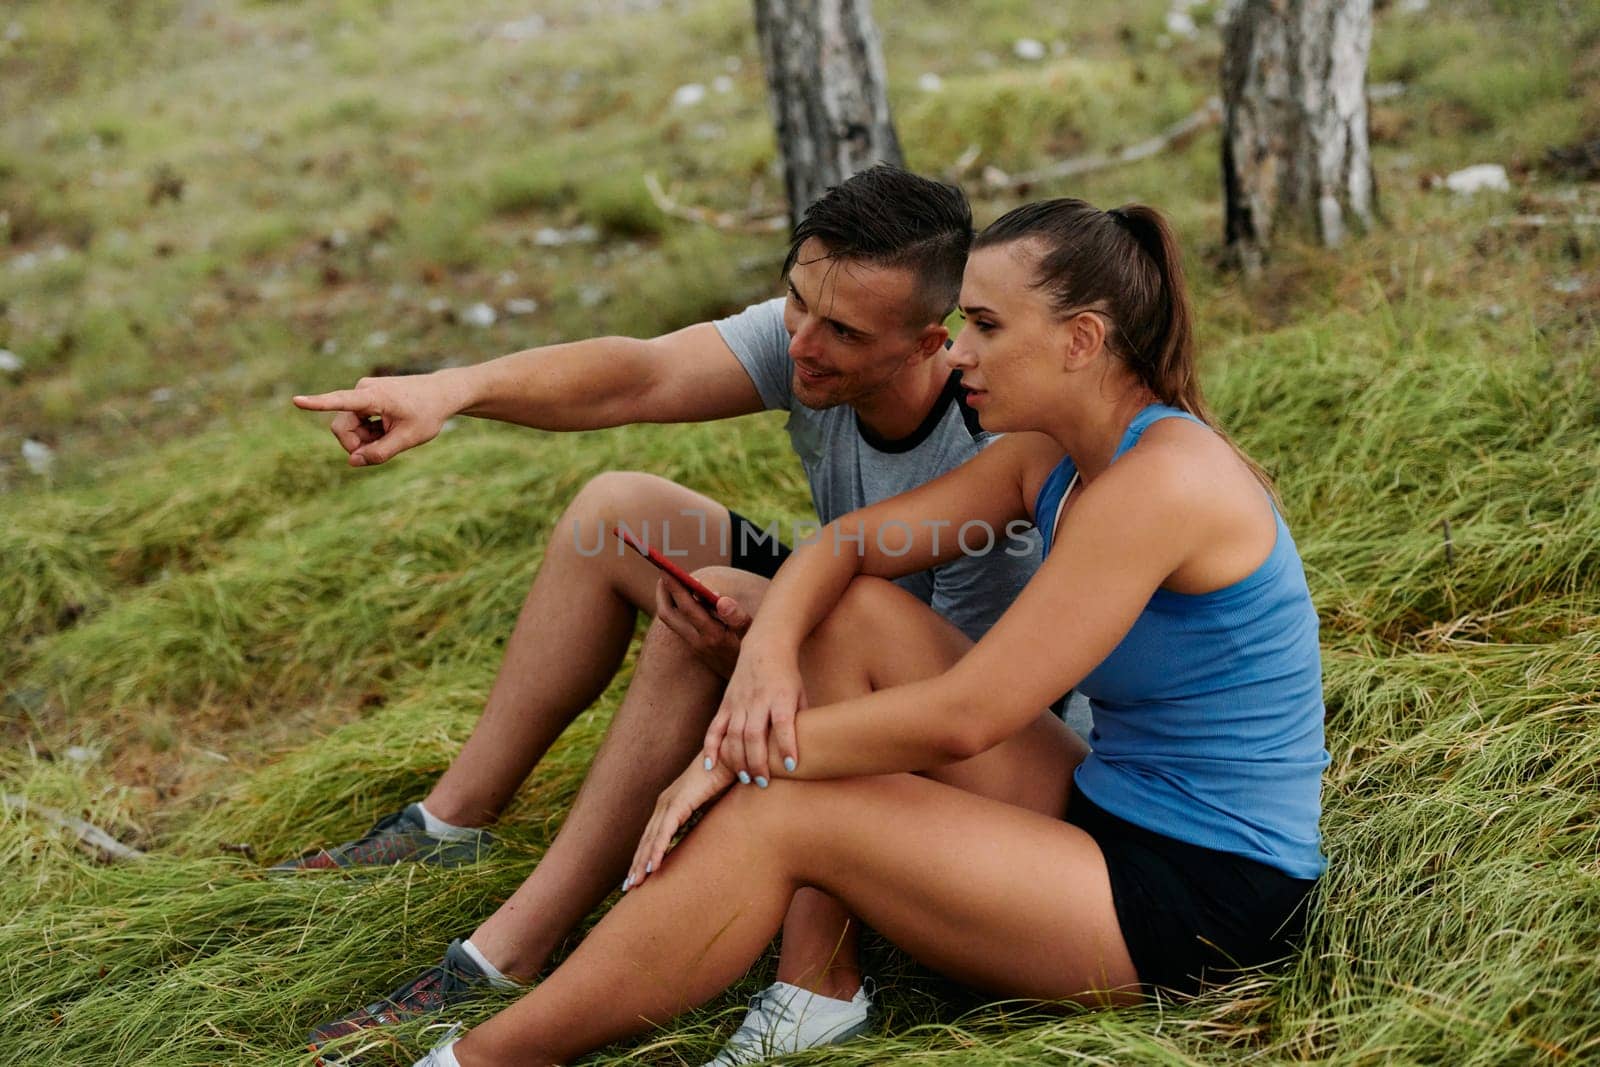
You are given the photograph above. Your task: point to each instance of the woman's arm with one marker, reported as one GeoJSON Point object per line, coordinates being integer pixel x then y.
{"type": "Point", "coordinates": [907, 533]}
{"type": "Point", "coordinates": [1130, 529]}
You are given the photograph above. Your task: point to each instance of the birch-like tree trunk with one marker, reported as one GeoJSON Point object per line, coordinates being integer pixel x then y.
{"type": "Point", "coordinates": [825, 81]}
{"type": "Point", "coordinates": [1294, 133]}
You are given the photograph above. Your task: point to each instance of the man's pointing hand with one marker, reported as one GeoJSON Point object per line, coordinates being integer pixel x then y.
{"type": "Point", "coordinates": [382, 417]}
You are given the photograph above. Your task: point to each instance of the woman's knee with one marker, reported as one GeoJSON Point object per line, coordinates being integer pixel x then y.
{"type": "Point", "coordinates": [793, 812]}
{"type": "Point", "coordinates": [867, 608]}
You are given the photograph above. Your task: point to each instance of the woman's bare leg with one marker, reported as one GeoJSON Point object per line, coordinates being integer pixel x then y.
{"type": "Point", "coordinates": [1004, 899]}
{"type": "Point", "coordinates": [1033, 769]}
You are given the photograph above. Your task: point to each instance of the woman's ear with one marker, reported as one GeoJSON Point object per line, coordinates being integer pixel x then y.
{"type": "Point", "coordinates": [1085, 337]}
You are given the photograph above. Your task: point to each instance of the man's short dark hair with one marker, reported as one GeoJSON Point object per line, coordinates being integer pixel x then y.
{"type": "Point", "coordinates": [888, 217]}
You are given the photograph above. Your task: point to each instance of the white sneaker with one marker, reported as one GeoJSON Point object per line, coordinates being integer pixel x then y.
{"type": "Point", "coordinates": [444, 1053]}
{"type": "Point", "coordinates": [785, 1018]}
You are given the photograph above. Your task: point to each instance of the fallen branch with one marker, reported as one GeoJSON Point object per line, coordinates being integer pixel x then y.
{"type": "Point", "coordinates": [90, 838]}
{"type": "Point", "coordinates": [1179, 132]}
{"type": "Point", "coordinates": [1540, 221]}
{"type": "Point", "coordinates": [722, 220]}
{"type": "Point", "coordinates": [994, 179]}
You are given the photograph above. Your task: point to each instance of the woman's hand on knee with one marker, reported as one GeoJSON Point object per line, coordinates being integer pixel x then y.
{"type": "Point", "coordinates": [692, 790]}
{"type": "Point", "coordinates": [755, 724]}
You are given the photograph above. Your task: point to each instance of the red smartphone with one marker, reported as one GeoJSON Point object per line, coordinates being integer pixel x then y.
{"type": "Point", "coordinates": [707, 598]}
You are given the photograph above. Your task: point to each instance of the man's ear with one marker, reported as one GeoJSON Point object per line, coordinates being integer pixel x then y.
{"type": "Point", "coordinates": [931, 340]}
{"type": "Point", "coordinates": [1085, 335]}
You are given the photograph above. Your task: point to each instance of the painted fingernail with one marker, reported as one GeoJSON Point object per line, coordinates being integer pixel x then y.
{"type": "Point", "coordinates": [626, 882]}
{"type": "Point", "coordinates": [789, 764]}
{"type": "Point", "coordinates": [650, 867]}
{"type": "Point", "coordinates": [708, 763]}
{"type": "Point", "coordinates": [744, 779]}
{"type": "Point", "coordinates": [760, 781]}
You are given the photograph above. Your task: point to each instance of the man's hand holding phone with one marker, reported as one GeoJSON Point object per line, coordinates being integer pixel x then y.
{"type": "Point", "coordinates": [382, 417]}
{"type": "Point", "coordinates": [714, 638]}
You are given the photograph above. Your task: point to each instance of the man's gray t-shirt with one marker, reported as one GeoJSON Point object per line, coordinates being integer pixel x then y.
{"type": "Point", "coordinates": [849, 467]}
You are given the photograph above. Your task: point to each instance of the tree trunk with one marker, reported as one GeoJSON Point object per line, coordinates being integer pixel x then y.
{"type": "Point", "coordinates": [825, 79]}
{"type": "Point", "coordinates": [1294, 127]}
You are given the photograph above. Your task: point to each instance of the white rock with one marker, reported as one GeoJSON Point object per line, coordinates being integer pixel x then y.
{"type": "Point", "coordinates": [81, 754]}
{"type": "Point", "coordinates": [930, 82]}
{"type": "Point", "coordinates": [10, 362]}
{"type": "Point", "coordinates": [689, 95]}
{"type": "Point", "coordinates": [593, 295]}
{"type": "Point", "coordinates": [338, 238]}
{"type": "Point", "coordinates": [329, 347]}
{"type": "Point", "coordinates": [1412, 7]}
{"type": "Point", "coordinates": [1385, 90]}
{"type": "Point", "coordinates": [722, 83]}
{"type": "Point", "coordinates": [546, 237]}
{"type": "Point", "coordinates": [1181, 24]}
{"type": "Point", "coordinates": [479, 314]}
{"type": "Point", "coordinates": [1029, 49]}
{"type": "Point", "coordinates": [39, 456]}
{"type": "Point", "coordinates": [1483, 177]}
{"type": "Point", "coordinates": [1567, 285]}
{"type": "Point", "coordinates": [377, 338]}
{"type": "Point", "coordinates": [161, 395]}
{"type": "Point", "coordinates": [438, 305]}
{"type": "Point", "coordinates": [521, 305]}
{"type": "Point", "coordinates": [521, 29]}
{"type": "Point", "coordinates": [25, 262]}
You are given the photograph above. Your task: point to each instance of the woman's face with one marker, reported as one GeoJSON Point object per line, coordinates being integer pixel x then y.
{"type": "Point", "coordinates": [1010, 349]}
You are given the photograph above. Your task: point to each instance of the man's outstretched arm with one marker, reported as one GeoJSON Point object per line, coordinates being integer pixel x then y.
{"type": "Point", "coordinates": [687, 376]}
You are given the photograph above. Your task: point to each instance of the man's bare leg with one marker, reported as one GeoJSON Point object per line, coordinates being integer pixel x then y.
{"type": "Point", "coordinates": [573, 630]}
{"type": "Point", "coordinates": [657, 730]}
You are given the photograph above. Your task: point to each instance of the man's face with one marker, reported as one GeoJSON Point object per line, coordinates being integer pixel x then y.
{"type": "Point", "coordinates": [850, 326]}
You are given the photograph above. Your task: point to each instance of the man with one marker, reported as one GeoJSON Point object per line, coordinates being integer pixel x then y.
{"type": "Point", "coordinates": [856, 354]}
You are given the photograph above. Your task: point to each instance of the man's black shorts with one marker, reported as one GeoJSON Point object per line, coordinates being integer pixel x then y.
{"type": "Point", "coordinates": [1192, 915]}
{"type": "Point", "coordinates": [754, 549]}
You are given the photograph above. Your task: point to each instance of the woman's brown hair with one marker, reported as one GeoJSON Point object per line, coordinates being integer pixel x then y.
{"type": "Point", "coordinates": [1124, 264]}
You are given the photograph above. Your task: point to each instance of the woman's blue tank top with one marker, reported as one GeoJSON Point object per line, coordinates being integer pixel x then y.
{"type": "Point", "coordinates": [1208, 714]}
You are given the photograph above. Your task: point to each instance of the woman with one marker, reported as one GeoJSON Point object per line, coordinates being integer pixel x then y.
{"type": "Point", "coordinates": [1184, 845]}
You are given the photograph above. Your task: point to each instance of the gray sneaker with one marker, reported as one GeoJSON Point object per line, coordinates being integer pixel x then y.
{"type": "Point", "coordinates": [398, 838]}
{"type": "Point", "coordinates": [444, 985]}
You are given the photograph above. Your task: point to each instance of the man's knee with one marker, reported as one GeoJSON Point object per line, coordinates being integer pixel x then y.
{"type": "Point", "coordinates": [744, 586]}
{"type": "Point", "coordinates": [613, 495]}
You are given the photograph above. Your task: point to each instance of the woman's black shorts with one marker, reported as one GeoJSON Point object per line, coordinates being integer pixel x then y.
{"type": "Point", "coordinates": [1192, 915]}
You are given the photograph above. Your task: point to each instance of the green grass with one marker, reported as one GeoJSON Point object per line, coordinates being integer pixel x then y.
{"type": "Point", "coordinates": [212, 632]}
